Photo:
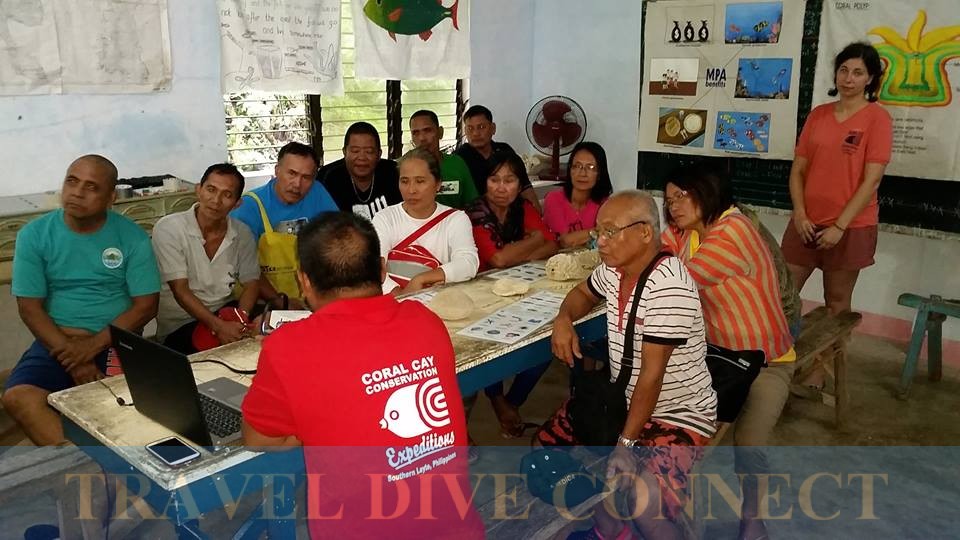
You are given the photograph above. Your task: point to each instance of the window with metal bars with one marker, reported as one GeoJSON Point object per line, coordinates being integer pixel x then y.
{"type": "Point", "coordinates": [259, 124]}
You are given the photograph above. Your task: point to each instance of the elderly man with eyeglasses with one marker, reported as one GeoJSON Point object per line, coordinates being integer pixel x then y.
{"type": "Point", "coordinates": [670, 402]}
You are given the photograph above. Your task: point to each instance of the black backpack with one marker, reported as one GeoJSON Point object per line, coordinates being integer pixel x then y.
{"type": "Point", "coordinates": [598, 408]}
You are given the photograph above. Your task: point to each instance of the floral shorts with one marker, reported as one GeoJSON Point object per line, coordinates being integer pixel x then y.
{"type": "Point", "coordinates": [667, 451]}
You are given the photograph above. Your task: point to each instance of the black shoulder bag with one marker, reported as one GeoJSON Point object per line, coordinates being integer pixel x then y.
{"type": "Point", "coordinates": [598, 408]}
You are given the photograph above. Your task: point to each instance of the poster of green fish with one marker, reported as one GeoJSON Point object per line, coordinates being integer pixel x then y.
{"type": "Point", "coordinates": [410, 17]}
{"type": "Point", "coordinates": [411, 39]}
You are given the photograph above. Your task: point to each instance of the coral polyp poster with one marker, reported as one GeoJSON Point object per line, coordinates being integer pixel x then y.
{"type": "Point", "coordinates": [919, 46]}
{"type": "Point", "coordinates": [721, 77]}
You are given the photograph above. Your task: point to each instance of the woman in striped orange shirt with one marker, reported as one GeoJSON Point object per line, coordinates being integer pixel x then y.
{"type": "Point", "coordinates": [740, 297]}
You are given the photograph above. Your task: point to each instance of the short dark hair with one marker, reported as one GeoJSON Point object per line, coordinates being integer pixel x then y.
{"type": "Point", "coordinates": [515, 162]}
{"type": "Point", "coordinates": [228, 169]}
{"type": "Point", "coordinates": [871, 59]}
{"type": "Point", "coordinates": [102, 162]}
{"type": "Point", "coordinates": [512, 229]}
{"type": "Point", "coordinates": [361, 128]}
{"type": "Point", "coordinates": [604, 187]}
{"type": "Point", "coordinates": [429, 114]}
{"type": "Point", "coordinates": [298, 149]}
{"type": "Point", "coordinates": [477, 110]}
{"type": "Point", "coordinates": [425, 156]}
{"type": "Point", "coordinates": [707, 188]}
{"type": "Point", "coordinates": [339, 250]}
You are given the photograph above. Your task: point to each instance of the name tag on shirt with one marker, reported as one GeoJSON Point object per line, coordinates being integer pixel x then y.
{"type": "Point", "coordinates": [291, 226]}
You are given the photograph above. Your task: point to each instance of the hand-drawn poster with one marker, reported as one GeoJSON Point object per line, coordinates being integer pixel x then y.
{"type": "Point", "coordinates": [721, 77]}
{"type": "Point", "coordinates": [280, 46]}
{"type": "Point", "coordinates": [84, 46]}
{"type": "Point", "coordinates": [412, 39]}
{"type": "Point", "coordinates": [919, 44]}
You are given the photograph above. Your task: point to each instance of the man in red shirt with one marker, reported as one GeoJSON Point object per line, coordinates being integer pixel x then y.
{"type": "Point", "coordinates": [367, 385]}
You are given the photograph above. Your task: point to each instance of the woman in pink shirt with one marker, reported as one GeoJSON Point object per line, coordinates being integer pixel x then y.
{"type": "Point", "coordinates": [571, 212]}
{"type": "Point", "coordinates": [840, 158]}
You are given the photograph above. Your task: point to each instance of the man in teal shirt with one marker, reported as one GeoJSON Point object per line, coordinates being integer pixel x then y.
{"type": "Point", "coordinates": [76, 270]}
{"type": "Point", "coordinates": [457, 188]}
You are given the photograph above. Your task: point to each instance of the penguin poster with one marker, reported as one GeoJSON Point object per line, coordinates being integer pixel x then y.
{"type": "Point", "coordinates": [411, 39]}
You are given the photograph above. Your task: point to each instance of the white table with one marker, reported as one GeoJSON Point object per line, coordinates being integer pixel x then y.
{"type": "Point", "coordinates": [93, 418]}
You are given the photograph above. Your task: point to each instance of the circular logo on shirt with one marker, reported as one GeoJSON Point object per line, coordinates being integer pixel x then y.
{"type": "Point", "coordinates": [112, 257]}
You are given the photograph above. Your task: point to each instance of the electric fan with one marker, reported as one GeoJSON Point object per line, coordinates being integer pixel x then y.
{"type": "Point", "coordinates": [554, 126]}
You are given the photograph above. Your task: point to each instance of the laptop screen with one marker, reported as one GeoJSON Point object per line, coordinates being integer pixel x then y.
{"type": "Point", "coordinates": [162, 385]}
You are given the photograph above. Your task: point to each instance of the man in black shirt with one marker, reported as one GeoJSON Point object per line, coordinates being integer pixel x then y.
{"type": "Point", "coordinates": [361, 182]}
{"type": "Point", "coordinates": [481, 148]}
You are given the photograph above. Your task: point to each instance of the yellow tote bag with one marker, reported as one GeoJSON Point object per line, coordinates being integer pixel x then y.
{"type": "Point", "coordinates": [277, 255]}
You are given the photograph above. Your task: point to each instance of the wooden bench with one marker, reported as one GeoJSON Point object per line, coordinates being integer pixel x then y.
{"type": "Point", "coordinates": [931, 312]}
{"type": "Point", "coordinates": [823, 340]}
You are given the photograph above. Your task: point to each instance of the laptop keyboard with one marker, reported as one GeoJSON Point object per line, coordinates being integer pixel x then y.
{"type": "Point", "coordinates": [221, 420]}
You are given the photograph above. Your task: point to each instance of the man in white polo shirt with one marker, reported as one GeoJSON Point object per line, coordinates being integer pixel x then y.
{"type": "Point", "coordinates": [203, 254]}
{"type": "Point", "coordinates": [670, 401]}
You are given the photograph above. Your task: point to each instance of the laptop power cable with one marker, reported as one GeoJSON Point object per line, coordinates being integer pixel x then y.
{"type": "Point", "coordinates": [226, 365]}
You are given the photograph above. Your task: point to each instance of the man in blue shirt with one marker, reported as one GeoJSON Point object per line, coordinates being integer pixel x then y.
{"type": "Point", "coordinates": [288, 201]}
{"type": "Point", "coordinates": [75, 271]}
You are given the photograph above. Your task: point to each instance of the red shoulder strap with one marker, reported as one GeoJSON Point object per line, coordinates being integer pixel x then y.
{"type": "Point", "coordinates": [422, 230]}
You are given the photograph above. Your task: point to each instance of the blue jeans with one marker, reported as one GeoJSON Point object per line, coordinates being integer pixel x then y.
{"type": "Point", "coordinates": [523, 384]}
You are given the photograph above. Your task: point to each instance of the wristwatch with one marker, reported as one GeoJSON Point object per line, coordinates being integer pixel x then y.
{"type": "Point", "coordinates": [629, 443]}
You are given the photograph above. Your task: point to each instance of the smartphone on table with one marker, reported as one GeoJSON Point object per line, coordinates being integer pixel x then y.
{"type": "Point", "coordinates": [173, 451]}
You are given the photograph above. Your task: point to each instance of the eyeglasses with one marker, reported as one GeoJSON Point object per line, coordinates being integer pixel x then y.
{"type": "Point", "coordinates": [670, 201]}
{"type": "Point", "coordinates": [608, 234]}
{"type": "Point", "coordinates": [587, 167]}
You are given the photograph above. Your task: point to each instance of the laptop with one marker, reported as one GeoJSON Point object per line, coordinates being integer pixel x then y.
{"type": "Point", "coordinates": [163, 388]}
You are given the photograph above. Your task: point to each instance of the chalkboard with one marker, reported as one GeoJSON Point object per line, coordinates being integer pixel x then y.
{"type": "Point", "coordinates": [912, 202]}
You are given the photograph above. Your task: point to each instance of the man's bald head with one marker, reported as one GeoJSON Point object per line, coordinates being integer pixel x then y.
{"type": "Point", "coordinates": [636, 205]}
{"type": "Point", "coordinates": [89, 187]}
{"type": "Point", "coordinates": [99, 163]}
{"type": "Point", "coordinates": [629, 229]}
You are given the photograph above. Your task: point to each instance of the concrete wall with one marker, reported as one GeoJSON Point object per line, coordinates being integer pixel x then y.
{"type": "Point", "coordinates": [523, 51]}
{"type": "Point", "coordinates": [592, 54]}
{"type": "Point", "coordinates": [178, 132]}
{"type": "Point", "coordinates": [904, 263]}
{"type": "Point", "coordinates": [501, 48]}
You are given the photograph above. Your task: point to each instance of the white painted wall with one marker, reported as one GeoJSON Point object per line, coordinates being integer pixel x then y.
{"type": "Point", "coordinates": [592, 54]}
{"type": "Point", "coordinates": [590, 51]}
{"type": "Point", "coordinates": [501, 48]}
{"type": "Point", "coordinates": [179, 132]}
{"type": "Point", "coordinates": [904, 264]}
{"type": "Point", "coordinates": [523, 51]}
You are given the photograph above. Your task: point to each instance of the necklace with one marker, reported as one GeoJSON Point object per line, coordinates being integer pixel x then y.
{"type": "Point", "coordinates": [357, 192]}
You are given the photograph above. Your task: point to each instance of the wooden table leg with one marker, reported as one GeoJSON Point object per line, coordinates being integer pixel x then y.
{"type": "Point", "coordinates": [913, 352]}
{"type": "Point", "coordinates": [840, 383]}
{"type": "Point", "coordinates": [935, 346]}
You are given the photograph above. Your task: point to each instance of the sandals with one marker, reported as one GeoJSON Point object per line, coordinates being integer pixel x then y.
{"type": "Point", "coordinates": [516, 431]}
{"type": "Point", "coordinates": [511, 424]}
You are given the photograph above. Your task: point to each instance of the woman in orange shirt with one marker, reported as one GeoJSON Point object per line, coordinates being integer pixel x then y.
{"type": "Point", "coordinates": [840, 158]}
{"type": "Point", "coordinates": [742, 310]}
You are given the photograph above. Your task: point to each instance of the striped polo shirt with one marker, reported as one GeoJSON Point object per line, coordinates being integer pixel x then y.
{"type": "Point", "coordinates": [738, 284]}
{"type": "Point", "coordinates": [668, 313]}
